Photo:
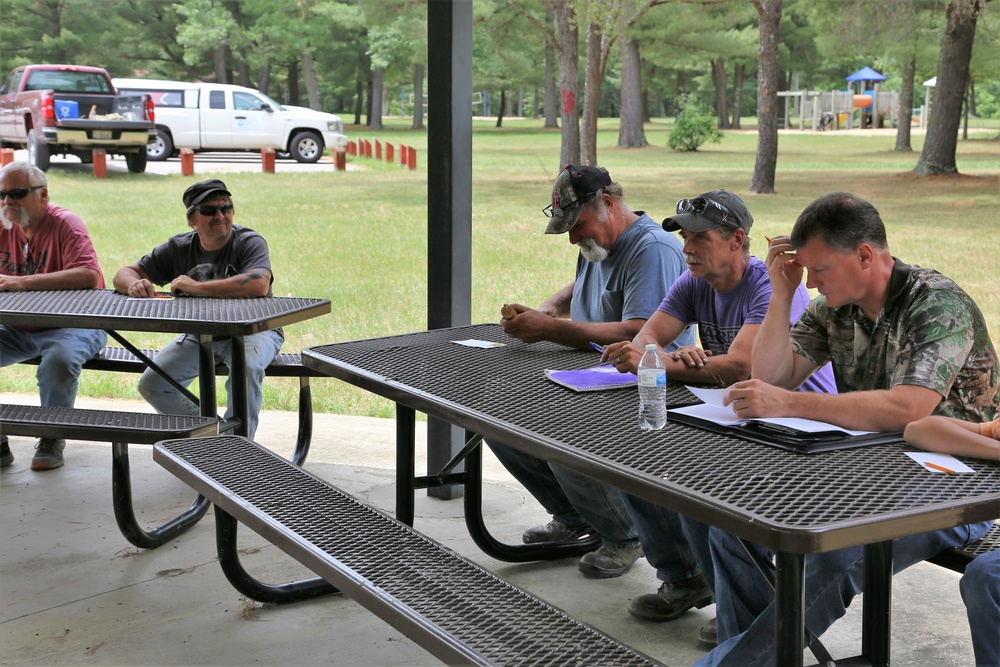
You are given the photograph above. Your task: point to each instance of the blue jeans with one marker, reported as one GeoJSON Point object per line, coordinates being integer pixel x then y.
{"type": "Point", "coordinates": [674, 544]}
{"type": "Point", "coordinates": [63, 353]}
{"type": "Point", "coordinates": [744, 602]}
{"type": "Point", "coordinates": [180, 360]}
{"type": "Point", "coordinates": [571, 497]}
{"type": "Point", "coordinates": [980, 587]}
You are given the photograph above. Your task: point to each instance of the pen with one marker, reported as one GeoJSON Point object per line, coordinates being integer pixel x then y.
{"type": "Point", "coordinates": [597, 347]}
{"type": "Point", "coordinates": [937, 467]}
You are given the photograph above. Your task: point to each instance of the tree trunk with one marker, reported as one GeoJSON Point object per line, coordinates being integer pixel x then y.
{"type": "Point", "coordinates": [219, 64]}
{"type": "Point", "coordinates": [906, 105]}
{"type": "Point", "coordinates": [359, 100]}
{"type": "Point", "coordinates": [502, 107]}
{"type": "Point", "coordinates": [630, 131]}
{"type": "Point", "coordinates": [739, 75]}
{"type": "Point", "coordinates": [520, 102]}
{"type": "Point", "coordinates": [312, 83]}
{"type": "Point", "coordinates": [768, 74]}
{"type": "Point", "coordinates": [293, 82]}
{"type": "Point", "coordinates": [938, 155]}
{"type": "Point", "coordinates": [375, 117]}
{"type": "Point", "coordinates": [418, 97]}
{"type": "Point", "coordinates": [369, 96]}
{"type": "Point", "coordinates": [569, 35]}
{"type": "Point", "coordinates": [264, 75]}
{"type": "Point", "coordinates": [551, 99]}
{"type": "Point", "coordinates": [645, 106]}
{"type": "Point", "coordinates": [721, 103]}
{"type": "Point", "coordinates": [593, 76]}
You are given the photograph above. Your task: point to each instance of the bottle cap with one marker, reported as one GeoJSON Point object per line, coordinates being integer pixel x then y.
{"type": "Point", "coordinates": [650, 347]}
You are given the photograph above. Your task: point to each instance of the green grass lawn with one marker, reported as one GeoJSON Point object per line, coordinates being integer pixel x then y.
{"type": "Point", "coordinates": [359, 238]}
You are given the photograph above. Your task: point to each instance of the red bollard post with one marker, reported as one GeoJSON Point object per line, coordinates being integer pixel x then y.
{"type": "Point", "coordinates": [340, 161]}
{"type": "Point", "coordinates": [378, 150]}
{"type": "Point", "coordinates": [187, 162]}
{"type": "Point", "coordinates": [411, 159]}
{"type": "Point", "coordinates": [100, 163]}
{"type": "Point", "coordinates": [402, 155]}
{"type": "Point", "coordinates": [267, 160]}
{"type": "Point", "coordinates": [389, 153]}
{"type": "Point", "coordinates": [368, 148]}
{"type": "Point", "coordinates": [6, 156]}
{"type": "Point", "coordinates": [352, 148]}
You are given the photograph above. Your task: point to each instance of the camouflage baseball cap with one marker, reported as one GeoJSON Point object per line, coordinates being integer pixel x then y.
{"type": "Point", "coordinates": [574, 186]}
{"type": "Point", "coordinates": [718, 208]}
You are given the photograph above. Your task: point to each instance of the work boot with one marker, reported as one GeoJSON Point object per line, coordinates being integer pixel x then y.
{"type": "Point", "coordinates": [672, 600]}
{"type": "Point", "coordinates": [6, 456]}
{"type": "Point", "coordinates": [708, 635]}
{"type": "Point", "coordinates": [609, 561]}
{"type": "Point", "coordinates": [48, 454]}
{"type": "Point", "coordinates": [555, 531]}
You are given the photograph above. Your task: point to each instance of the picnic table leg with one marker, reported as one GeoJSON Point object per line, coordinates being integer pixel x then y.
{"type": "Point", "coordinates": [511, 553]}
{"type": "Point", "coordinates": [789, 594]}
{"type": "Point", "coordinates": [229, 559]}
{"type": "Point", "coordinates": [877, 613]}
{"type": "Point", "coordinates": [238, 382]}
{"type": "Point", "coordinates": [304, 438]}
{"type": "Point", "coordinates": [121, 492]}
{"type": "Point", "coordinates": [406, 462]}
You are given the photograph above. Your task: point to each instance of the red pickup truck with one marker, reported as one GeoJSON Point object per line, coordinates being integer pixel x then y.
{"type": "Point", "coordinates": [71, 110]}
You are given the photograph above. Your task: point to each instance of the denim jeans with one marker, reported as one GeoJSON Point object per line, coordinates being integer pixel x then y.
{"type": "Point", "coordinates": [180, 360]}
{"type": "Point", "coordinates": [744, 602]}
{"type": "Point", "coordinates": [674, 544]}
{"type": "Point", "coordinates": [571, 497]}
{"type": "Point", "coordinates": [63, 353]}
{"type": "Point", "coordinates": [980, 587]}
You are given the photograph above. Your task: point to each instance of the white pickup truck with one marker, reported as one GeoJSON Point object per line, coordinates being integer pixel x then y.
{"type": "Point", "coordinates": [223, 117]}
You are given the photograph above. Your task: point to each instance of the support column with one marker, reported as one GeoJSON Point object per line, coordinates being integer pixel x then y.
{"type": "Point", "coordinates": [449, 195]}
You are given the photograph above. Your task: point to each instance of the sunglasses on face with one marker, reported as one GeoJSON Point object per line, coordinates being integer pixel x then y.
{"type": "Point", "coordinates": [710, 209]}
{"type": "Point", "coordinates": [550, 210]}
{"type": "Point", "coordinates": [19, 193]}
{"type": "Point", "coordinates": [209, 211]}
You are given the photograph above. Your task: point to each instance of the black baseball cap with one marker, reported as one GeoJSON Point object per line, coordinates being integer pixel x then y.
{"type": "Point", "coordinates": [718, 208]}
{"type": "Point", "coordinates": [197, 193]}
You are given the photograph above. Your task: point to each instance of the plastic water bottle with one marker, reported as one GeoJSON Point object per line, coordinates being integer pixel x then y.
{"type": "Point", "coordinates": [652, 391]}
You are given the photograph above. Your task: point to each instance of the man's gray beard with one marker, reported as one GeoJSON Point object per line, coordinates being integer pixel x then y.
{"type": "Point", "coordinates": [7, 224]}
{"type": "Point", "coordinates": [591, 251]}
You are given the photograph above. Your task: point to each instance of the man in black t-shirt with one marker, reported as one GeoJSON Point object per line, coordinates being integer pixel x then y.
{"type": "Point", "coordinates": [216, 258]}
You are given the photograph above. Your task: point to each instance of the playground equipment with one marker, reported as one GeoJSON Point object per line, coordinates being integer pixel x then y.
{"type": "Point", "coordinates": [830, 110]}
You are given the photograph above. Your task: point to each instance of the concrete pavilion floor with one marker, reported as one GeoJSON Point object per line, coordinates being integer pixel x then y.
{"type": "Point", "coordinates": [74, 591]}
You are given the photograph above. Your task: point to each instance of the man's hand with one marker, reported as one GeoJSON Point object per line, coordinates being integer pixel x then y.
{"type": "Point", "coordinates": [754, 398]}
{"type": "Point", "coordinates": [783, 267]}
{"type": "Point", "coordinates": [141, 288]}
{"type": "Point", "coordinates": [691, 356]}
{"type": "Point", "coordinates": [12, 284]}
{"type": "Point", "coordinates": [624, 356]}
{"type": "Point", "coordinates": [184, 285]}
{"type": "Point", "coordinates": [527, 325]}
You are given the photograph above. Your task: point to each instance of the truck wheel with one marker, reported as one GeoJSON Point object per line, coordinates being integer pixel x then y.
{"type": "Point", "coordinates": [38, 151]}
{"type": "Point", "coordinates": [306, 147]}
{"type": "Point", "coordinates": [161, 148]}
{"type": "Point", "coordinates": [136, 162]}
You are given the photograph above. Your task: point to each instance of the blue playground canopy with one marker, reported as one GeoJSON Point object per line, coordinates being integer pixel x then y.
{"type": "Point", "coordinates": [866, 74]}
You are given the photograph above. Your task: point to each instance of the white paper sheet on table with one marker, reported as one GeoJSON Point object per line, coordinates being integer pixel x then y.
{"type": "Point", "coordinates": [943, 460]}
{"type": "Point", "coordinates": [713, 410]}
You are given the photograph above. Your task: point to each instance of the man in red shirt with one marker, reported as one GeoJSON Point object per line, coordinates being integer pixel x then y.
{"type": "Point", "coordinates": [44, 247]}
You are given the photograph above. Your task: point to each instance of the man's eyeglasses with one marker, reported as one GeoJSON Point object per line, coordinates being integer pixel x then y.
{"type": "Point", "coordinates": [209, 211]}
{"type": "Point", "coordinates": [19, 193]}
{"type": "Point", "coordinates": [550, 210]}
{"type": "Point", "coordinates": [710, 209]}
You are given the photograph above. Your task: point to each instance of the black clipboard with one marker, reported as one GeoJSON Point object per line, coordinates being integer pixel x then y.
{"type": "Point", "coordinates": [789, 439]}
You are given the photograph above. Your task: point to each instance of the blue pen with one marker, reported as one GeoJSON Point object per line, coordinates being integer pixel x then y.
{"type": "Point", "coordinates": [597, 347]}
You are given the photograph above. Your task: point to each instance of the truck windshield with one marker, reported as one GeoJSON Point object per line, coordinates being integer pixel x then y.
{"type": "Point", "coordinates": [67, 81]}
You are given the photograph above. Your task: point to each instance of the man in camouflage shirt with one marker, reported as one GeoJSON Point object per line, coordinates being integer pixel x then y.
{"type": "Point", "coordinates": [905, 342]}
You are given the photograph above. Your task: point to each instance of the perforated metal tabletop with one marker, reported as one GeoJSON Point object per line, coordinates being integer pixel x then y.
{"type": "Point", "coordinates": [790, 502]}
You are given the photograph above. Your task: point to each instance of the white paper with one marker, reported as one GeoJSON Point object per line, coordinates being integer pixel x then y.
{"type": "Point", "coordinates": [471, 342]}
{"type": "Point", "coordinates": [943, 460]}
{"type": "Point", "coordinates": [713, 410]}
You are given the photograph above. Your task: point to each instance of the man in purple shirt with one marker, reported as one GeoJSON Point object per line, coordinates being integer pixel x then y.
{"type": "Point", "coordinates": [726, 293]}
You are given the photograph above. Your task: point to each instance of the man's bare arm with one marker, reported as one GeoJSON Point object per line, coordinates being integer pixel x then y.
{"type": "Point", "coordinates": [75, 278]}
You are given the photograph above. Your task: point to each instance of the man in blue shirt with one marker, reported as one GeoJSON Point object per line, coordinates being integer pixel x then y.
{"type": "Point", "coordinates": [626, 264]}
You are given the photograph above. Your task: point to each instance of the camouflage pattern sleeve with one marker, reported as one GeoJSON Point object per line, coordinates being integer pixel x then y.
{"type": "Point", "coordinates": [810, 336]}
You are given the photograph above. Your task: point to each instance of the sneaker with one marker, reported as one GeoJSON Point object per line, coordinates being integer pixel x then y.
{"type": "Point", "coordinates": [708, 636]}
{"type": "Point", "coordinates": [555, 531]}
{"type": "Point", "coordinates": [608, 561]}
{"type": "Point", "coordinates": [6, 456]}
{"type": "Point", "coordinates": [48, 454]}
{"type": "Point", "coordinates": [672, 600]}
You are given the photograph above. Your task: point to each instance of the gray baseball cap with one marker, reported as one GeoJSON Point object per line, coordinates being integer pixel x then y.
{"type": "Point", "coordinates": [574, 186]}
{"type": "Point", "coordinates": [718, 208]}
